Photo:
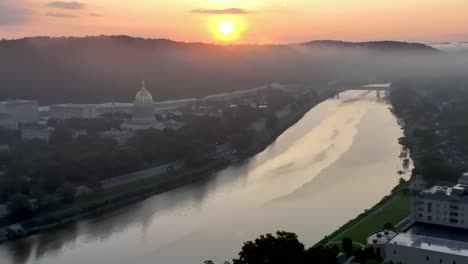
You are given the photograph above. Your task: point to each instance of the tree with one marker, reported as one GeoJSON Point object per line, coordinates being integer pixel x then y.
{"type": "Point", "coordinates": [279, 249]}
{"type": "Point", "coordinates": [61, 136]}
{"type": "Point", "coordinates": [388, 225]}
{"type": "Point", "coordinates": [19, 207]}
{"type": "Point", "coordinates": [67, 192]}
{"type": "Point", "coordinates": [322, 255]}
{"type": "Point", "coordinates": [347, 244]}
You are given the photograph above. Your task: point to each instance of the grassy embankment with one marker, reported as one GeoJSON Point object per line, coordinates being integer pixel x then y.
{"type": "Point", "coordinates": [391, 209]}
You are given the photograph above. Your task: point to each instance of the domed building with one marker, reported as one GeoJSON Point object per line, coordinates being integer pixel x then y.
{"type": "Point", "coordinates": [143, 112]}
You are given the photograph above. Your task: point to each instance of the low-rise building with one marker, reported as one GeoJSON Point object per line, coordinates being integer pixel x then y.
{"type": "Point", "coordinates": [378, 241]}
{"type": "Point", "coordinates": [36, 133]}
{"type": "Point", "coordinates": [113, 107]}
{"type": "Point", "coordinates": [78, 133]}
{"type": "Point", "coordinates": [15, 112]}
{"type": "Point", "coordinates": [121, 136]}
{"type": "Point", "coordinates": [68, 111]}
{"type": "Point", "coordinates": [6, 121]}
{"type": "Point", "coordinates": [429, 243]}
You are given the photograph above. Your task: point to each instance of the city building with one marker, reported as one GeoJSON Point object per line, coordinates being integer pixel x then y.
{"type": "Point", "coordinates": [16, 112]}
{"type": "Point", "coordinates": [113, 107]}
{"type": "Point", "coordinates": [121, 136]}
{"type": "Point", "coordinates": [442, 205]}
{"type": "Point", "coordinates": [36, 132]}
{"type": "Point", "coordinates": [68, 111]}
{"type": "Point", "coordinates": [143, 112]}
{"type": "Point", "coordinates": [437, 232]}
{"type": "Point", "coordinates": [6, 121]}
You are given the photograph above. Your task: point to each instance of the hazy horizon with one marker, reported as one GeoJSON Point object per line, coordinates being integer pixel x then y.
{"type": "Point", "coordinates": [239, 21]}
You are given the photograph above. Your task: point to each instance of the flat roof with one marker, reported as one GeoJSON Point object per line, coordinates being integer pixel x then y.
{"type": "Point", "coordinates": [17, 101]}
{"type": "Point", "coordinates": [444, 239]}
{"type": "Point", "coordinates": [381, 237]}
{"type": "Point", "coordinates": [378, 85]}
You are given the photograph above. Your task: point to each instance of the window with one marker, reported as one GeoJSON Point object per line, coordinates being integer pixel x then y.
{"type": "Point", "coordinates": [440, 261]}
{"type": "Point", "coordinates": [429, 207]}
{"type": "Point", "coordinates": [394, 251]}
{"type": "Point", "coordinates": [429, 218]}
{"type": "Point", "coordinates": [427, 258]}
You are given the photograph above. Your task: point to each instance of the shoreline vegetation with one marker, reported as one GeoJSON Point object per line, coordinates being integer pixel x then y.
{"type": "Point", "coordinates": [124, 195]}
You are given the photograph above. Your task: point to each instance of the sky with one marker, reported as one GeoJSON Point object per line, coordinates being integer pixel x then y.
{"type": "Point", "coordinates": [240, 21]}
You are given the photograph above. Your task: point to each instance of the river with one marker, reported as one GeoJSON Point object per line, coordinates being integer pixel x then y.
{"type": "Point", "coordinates": [338, 160]}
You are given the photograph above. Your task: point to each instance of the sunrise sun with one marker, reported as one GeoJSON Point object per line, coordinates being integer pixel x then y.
{"type": "Point", "coordinates": [227, 29]}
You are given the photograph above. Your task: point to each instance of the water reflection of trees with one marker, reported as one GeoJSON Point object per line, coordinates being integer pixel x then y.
{"type": "Point", "coordinates": [104, 226]}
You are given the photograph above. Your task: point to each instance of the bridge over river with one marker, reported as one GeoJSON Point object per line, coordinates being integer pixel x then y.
{"type": "Point", "coordinates": [378, 87]}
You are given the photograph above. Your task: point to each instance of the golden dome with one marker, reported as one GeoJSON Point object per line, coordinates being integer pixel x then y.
{"type": "Point", "coordinates": [143, 96]}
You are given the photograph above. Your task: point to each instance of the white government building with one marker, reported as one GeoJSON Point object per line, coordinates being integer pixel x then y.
{"type": "Point", "coordinates": [16, 112]}
{"type": "Point", "coordinates": [438, 232]}
{"type": "Point", "coordinates": [143, 112]}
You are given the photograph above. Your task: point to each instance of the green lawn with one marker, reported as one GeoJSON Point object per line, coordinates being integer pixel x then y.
{"type": "Point", "coordinates": [397, 210]}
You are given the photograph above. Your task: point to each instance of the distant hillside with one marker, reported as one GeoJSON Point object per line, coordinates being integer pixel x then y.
{"type": "Point", "coordinates": [105, 68]}
{"type": "Point", "coordinates": [393, 46]}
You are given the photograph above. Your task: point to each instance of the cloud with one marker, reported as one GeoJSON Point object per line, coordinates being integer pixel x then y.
{"type": "Point", "coordinates": [227, 11]}
{"type": "Point", "coordinates": [67, 5]}
{"type": "Point", "coordinates": [12, 14]}
{"type": "Point", "coordinates": [62, 15]}
{"type": "Point", "coordinates": [94, 15]}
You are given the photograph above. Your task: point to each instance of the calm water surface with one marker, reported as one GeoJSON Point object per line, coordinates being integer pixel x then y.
{"type": "Point", "coordinates": [339, 160]}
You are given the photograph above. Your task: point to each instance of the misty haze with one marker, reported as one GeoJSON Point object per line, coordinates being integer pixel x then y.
{"type": "Point", "coordinates": [233, 131]}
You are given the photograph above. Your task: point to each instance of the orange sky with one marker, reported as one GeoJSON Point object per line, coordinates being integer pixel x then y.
{"type": "Point", "coordinates": [257, 21]}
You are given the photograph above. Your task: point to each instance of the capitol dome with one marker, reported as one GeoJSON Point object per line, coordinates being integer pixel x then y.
{"type": "Point", "coordinates": [143, 96]}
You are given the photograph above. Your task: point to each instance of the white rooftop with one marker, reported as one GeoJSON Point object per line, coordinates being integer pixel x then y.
{"type": "Point", "coordinates": [378, 85]}
{"type": "Point", "coordinates": [437, 238]}
{"type": "Point", "coordinates": [431, 243]}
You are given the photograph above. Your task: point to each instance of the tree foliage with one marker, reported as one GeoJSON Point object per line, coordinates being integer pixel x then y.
{"type": "Point", "coordinates": [284, 247]}
{"type": "Point", "coordinates": [19, 207]}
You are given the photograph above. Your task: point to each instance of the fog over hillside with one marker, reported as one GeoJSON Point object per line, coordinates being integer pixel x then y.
{"type": "Point", "coordinates": [452, 46]}
{"type": "Point", "coordinates": [99, 69]}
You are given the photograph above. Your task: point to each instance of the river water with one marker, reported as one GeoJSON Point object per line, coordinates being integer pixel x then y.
{"type": "Point", "coordinates": [339, 160]}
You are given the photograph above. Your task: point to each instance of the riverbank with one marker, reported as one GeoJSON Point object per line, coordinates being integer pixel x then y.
{"type": "Point", "coordinates": [124, 195]}
{"type": "Point", "coordinates": [392, 210]}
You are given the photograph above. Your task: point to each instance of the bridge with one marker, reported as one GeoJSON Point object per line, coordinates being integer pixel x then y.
{"type": "Point", "coordinates": [370, 87]}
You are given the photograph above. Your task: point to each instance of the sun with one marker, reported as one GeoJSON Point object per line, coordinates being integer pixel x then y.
{"type": "Point", "coordinates": [226, 27]}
